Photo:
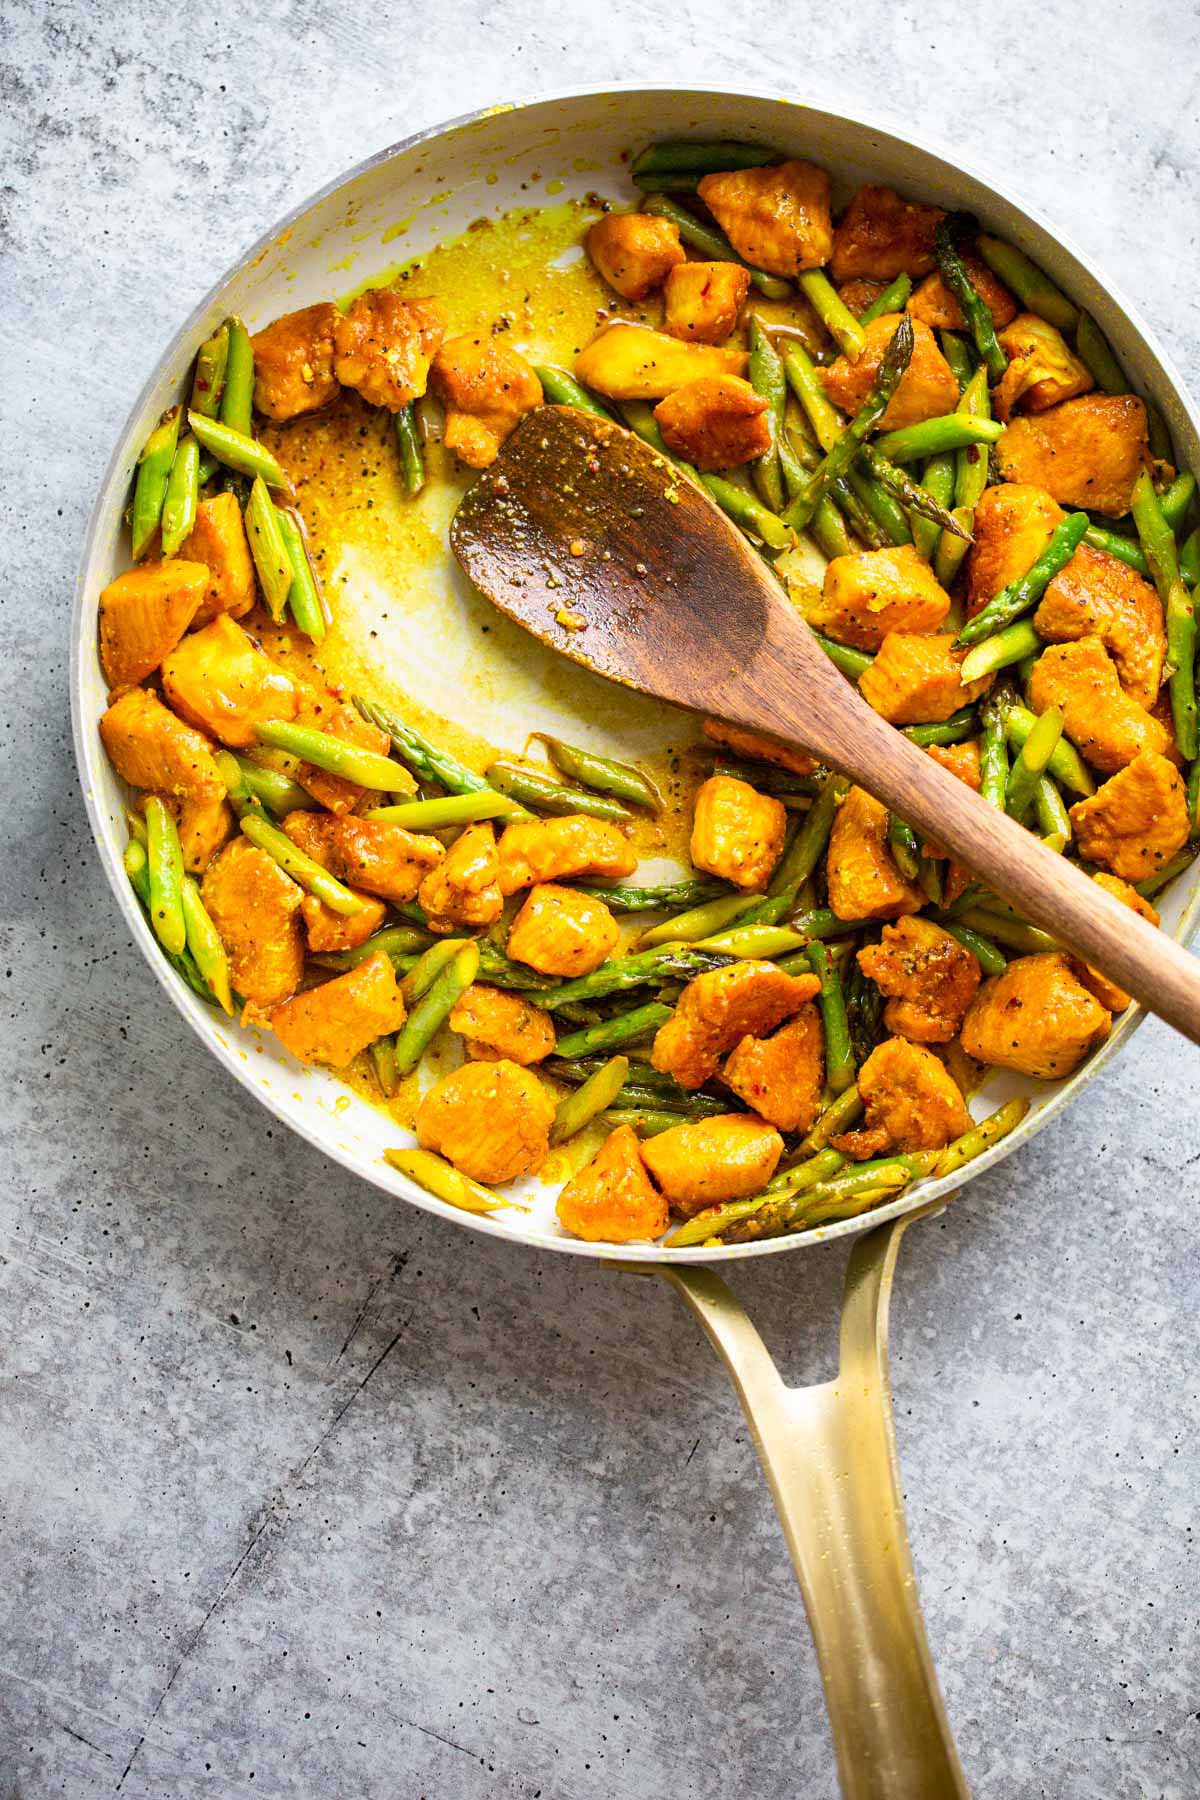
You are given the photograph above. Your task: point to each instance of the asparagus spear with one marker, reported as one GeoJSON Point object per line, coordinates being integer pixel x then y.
{"type": "Point", "coordinates": [237, 395]}
{"type": "Point", "coordinates": [424, 759]}
{"type": "Point", "coordinates": [303, 595]}
{"type": "Point", "coordinates": [239, 451]}
{"type": "Point", "coordinates": [366, 768]}
{"type": "Point", "coordinates": [974, 307]}
{"type": "Point", "coordinates": [1158, 547]}
{"type": "Point", "coordinates": [952, 431]}
{"type": "Point", "coordinates": [623, 899]}
{"type": "Point", "coordinates": [841, 455]}
{"type": "Point", "coordinates": [150, 484]}
{"type": "Point", "coordinates": [165, 864]}
{"type": "Point", "coordinates": [603, 774]}
{"type": "Point", "coordinates": [208, 380]}
{"type": "Point", "coordinates": [1036, 292]}
{"type": "Point", "coordinates": [561, 389]}
{"type": "Point", "coordinates": [712, 243]}
{"type": "Point", "coordinates": [833, 312]}
{"type": "Point", "coordinates": [412, 455]}
{"type": "Point", "coordinates": [182, 495]}
{"type": "Point", "coordinates": [839, 1053]}
{"type": "Point", "coordinates": [1023, 593]}
{"type": "Point", "coordinates": [613, 1034]}
{"type": "Point", "coordinates": [894, 298]}
{"type": "Point", "coordinates": [435, 1005]}
{"type": "Point", "coordinates": [917, 498]}
{"type": "Point", "coordinates": [704, 157]}
{"type": "Point", "coordinates": [302, 869]}
{"type": "Point", "coordinates": [592, 1097]}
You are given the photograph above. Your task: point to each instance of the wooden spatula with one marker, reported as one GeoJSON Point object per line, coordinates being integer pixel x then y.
{"type": "Point", "coordinates": [599, 547]}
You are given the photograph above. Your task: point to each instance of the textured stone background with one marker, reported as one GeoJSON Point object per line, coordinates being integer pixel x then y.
{"type": "Point", "coordinates": [302, 1496]}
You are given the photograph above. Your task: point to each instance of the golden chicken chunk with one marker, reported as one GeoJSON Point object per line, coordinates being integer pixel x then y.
{"type": "Point", "coordinates": [491, 1119]}
{"type": "Point", "coordinates": [703, 300]}
{"type": "Point", "coordinates": [857, 295]}
{"type": "Point", "coordinates": [293, 363]}
{"type": "Point", "coordinates": [464, 888]}
{"type": "Point", "coordinates": [1114, 998]}
{"type": "Point", "coordinates": [1086, 452]}
{"type": "Point", "coordinates": [532, 850]}
{"type": "Point", "coordinates": [936, 306]}
{"type": "Point", "coordinates": [930, 979]}
{"type": "Point", "coordinates": [327, 930]}
{"type": "Point", "coordinates": [383, 346]}
{"type": "Point", "coordinates": [758, 748]}
{"type": "Point", "coordinates": [150, 748]}
{"type": "Point", "coordinates": [218, 540]}
{"type": "Point", "coordinates": [498, 1025]}
{"type": "Point", "coordinates": [721, 1007]}
{"type": "Point", "coordinates": [219, 680]}
{"type": "Point", "coordinates": [1042, 370]}
{"type": "Point", "coordinates": [1097, 595]}
{"type": "Point", "coordinates": [143, 615]}
{"type": "Point", "coordinates": [634, 252]}
{"type": "Point", "coordinates": [777, 217]}
{"type": "Point", "coordinates": [702, 1163]}
{"type": "Point", "coordinates": [613, 1199]}
{"type": "Point", "coordinates": [256, 909]}
{"type": "Point", "coordinates": [486, 389]}
{"type": "Point", "coordinates": [559, 931]}
{"type": "Point", "coordinates": [863, 881]}
{"type": "Point", "coordinates": [1105, 725]}
{"type": "Point", "coordinates": [781, 1077]}
{"type": "Point", "coordinates": [1013, 524]}
{"type": "Point", "coordinates": [881, 236]}
{"type": "Point", "coordinates": [1037, 1018]}
{"type": "Point", "coordinates": [631, 362]}
{"type": "Point", "coordinates": [871, 592]}
{"type": "Point", "coordinates": [917, 679]}
{"type": "Point", "coordinates": [911, 1102]}
{"type": "Point", "coordinates": [961, 761]}
{"type": "Point", "coordinates": [737, 833]}
{"type": "Point", "coordinates": [1136, 822]}
{"type": "Point", "coordinates": [332, 1023]}
{"type": "Point", "coordinates": [716, 422]}
{"type": "Point", "coordinates": [371, 854]}
{"type": "Point", "coordinates": [203, 826]}
{"type": "Point", "coordinates": [927, 389]}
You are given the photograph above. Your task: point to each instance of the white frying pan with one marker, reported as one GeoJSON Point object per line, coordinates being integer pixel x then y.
{"type": "Point", "coordinates": [828, 1451]}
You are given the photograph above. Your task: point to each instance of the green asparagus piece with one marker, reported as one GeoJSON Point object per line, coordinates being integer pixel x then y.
{"type": "Point", "coordinates": [952, 431]}
{"type": "Point", "coordinates": [424, 759]}
{"type": "Point", "coordinates": [700, 158]}
{"type": "Point", "coordinates": [857, 517]}
{"type": "Point", "coordinates": [833, 312]}
{"type": "Point", "coordinates": [496, 969]}
{"type": "Point", "coordinates": [845, 657]}
{"type": "Point", "coordinates": [1189, 558]}
{"type": "Point", "coordinates": [918, 499]}
{"type": "Point", "coordinates": [303, 596]}
{"type": "Point", "coordinates": [839, 1053]}
{"type": "Point", "coordinates": [411, 451]}
{"type": "Point", "coordinates": [841, 1196]}
{"type": "Point", "coordinates": [954, 730]}
{"type": "Point", "coordinates": [826, 421]}
{"type": "Point", "coordinates": [973, 1143]}
{"type": "Point", "coordinates": [904, 846]}
{"type": "Point", "coordinates": [434, 1007]}
{"type": "Point", "coordinates": [208, 380]}
{"type": "Point", "coordinates": [1036, 292]}
{"type": "Point", "coordinates": [808, 846]}
{"type": "Point", "coordinates": [424, 972]}
{"type": "Point", "coordinates": [712, 1222]}
{"type": "Point", "coordinates": [184, 965]}
{"type": "Point", "coordinates": [150, 484]}
{"type": "Point", "coordinates": [970, 480]}
{"type": "Point", "coordinates": [755, 942]}
{"type": "Point", "coordinates": [182, 495]}
{"type": "Point", "coordinates": [646, 1121]}
{"type": "Point", "coordinates": [165, 862]}
{"type": "Point", "coordinates": [366, 768]}
{"type": "Point", "coordinates": [1158, 547]}
{"type": "Point", "coordinates": [1092, 347]}
{"type": "Point", "coordinates": [1155, 535]}
{"type": "Point", "coordinates": [1116, 544]}
{"type": "Point", "coordinates": [974, 308]}
{"type": "Point", "coordinates": [1054, 821]}
{"type": "Point", "coordinates": [449, 809]}
{"type": "Point", "coordinates": [441, 1179]}
{"type": "Point", "coordinates": [237, 396]}
{"type": "Point", "coordinates": [595, 1096]}
{"type": "Point", "coordinates": [839, 458]}
{"type": "Point", "coordinates": [602, 773]}
{"type": "Point", "coordinates": [541, 794]}
{"type": "Point", "coordinates": [302, 869]}
{"type": "Point", "coordinates": [204, 942]}
{"type": "Point", "coordinates": [767, 378]}
{"type": "Point", "coordinates": [938, 479]}
{"type": "Point", "coordinates": [267, 546]}
{"type": "Point", "coordinates": [1015, 933]}
{"type": "Point", "coordinates": [561, 389]}
{"type": "Point", "coordinates": [962, 363]}
{"type": "Point", "coordinates": [881, 506]}
{"type": "Point", "coordinates": [626, 899]}
{"type": "Point", "coordinates": [239, 451]}
{"type": "Point", "coordinates": [1174, 503]}
{"type": "Point", "coordinates": [989, 957]}
{"type": "Point", "coordinates": [1162, 878]}
{"type": "Point", "coordinates": [615, 1033]}
{"type": "Point", "coordinates": [1065, 765]}
{"type": "Point", "coordinates": [748, 512]}
{"type": "Point", "coordinates": [1022, 594]}
{"type": "Point", "coordinates": [665, 962]}
{"type": "Point", "coordinates": [249, 781]}
{"type": "Point", "coordinates": [1032, 761]}
{"type": "Point", "coordinates": [1012, 645]}
{"type": "Point", "coordinates": [712, 243]}
{"type": "Point", "coordinates": [837, 1117]}
{"type": "Point", "coordinates": [894, 298]}
{"type": "Point", "coordinates": [383, 1060]}
{"type": "Point", "coordinates": [700, 922]}
{"type": "Point", "coordinates": [796, 1177]}
{"type": "Point", "coordinates": [398, 942]}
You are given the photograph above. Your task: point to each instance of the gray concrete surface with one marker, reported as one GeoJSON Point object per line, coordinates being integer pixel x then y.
{"type": "Point", "coordinates": [303, 1496]}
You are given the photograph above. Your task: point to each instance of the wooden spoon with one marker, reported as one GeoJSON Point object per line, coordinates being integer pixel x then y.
{"type": "Point", "coordinates": [605, 551]}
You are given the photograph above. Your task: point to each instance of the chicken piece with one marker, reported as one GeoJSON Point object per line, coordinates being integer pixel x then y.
{"type": "Point", "coordinates": [936, 306]}
{"type": "Point", "coordinates": [383, 346]}
{"type": "Point", "coordinates": [930, 979]}
{"type": "Point", "coordinates": [559, 931]}
{"type": "Point", "coordinates": [961, 761]}
{"type": "Point", "coordinates": [218, 540]}
{"type": "Point", "coordinates": [532, 850]}
{"type": "Point", "coordinates": [927, 389]}
{"type": "Point", "coordinates": [371, 854]}
{"type": "Point", "coordinates": [486, 389]}
{"type": "Point", "coordinates": [464, 888]}
{"type": "Point", "coordinates": [1086, 452]}
{"type": "Point", "coordinates": [256, 909]}
{"type": "Point", "coordinates": [716, 422]}
{"type": "Point", "coordinates": [703, 1163]}
{"type": "Point", "coordinates": [143, 615]}
{"type": "Point", "coordinates": [1013, 524]}
{"type": "Point", "coordinates": [702, 301]}
{"type": "Point", "coordinates": [203, 826]}
{"type": "Point", "coordinates": [1041, 370]}
{"type": "Point", "coordinates": [1104, 724]}
{"type": "Point", "coordinates": [737, 833]}
{"type": "Point", "coordinates": [1037, 1018]}
{"type": "Point", "coordinates": [857, 295]}
{"type": "Point", "coordinates": [718, 1009]}
{"type": "Point", "coordinates": [631, 362]}
{"type": "Point", "coordinates": [871, 592]}
{"type": "Point", "coordinates": [1110, 996]}
{"type": "Point", "coordinates": [496, 1025]}
{"type": "Point", "coordinates": [911, 1100]}
{"type": "Point", "coordinates": [781, 1077]}
{"type": "Point", "coordinates": [219, 680]}
{"type": "Point", "coordinates": [863, 881]}
{"type": "Point", "coordinates": [1136, 822]}
{"type": "Point", "coordinates": [332, 1023]}
{"type": "Point", "coordinates": [757, 748]}
{"type": "Point", "coordinates": [612, 1199]}
{"type": "Point", "coordinates": [917, 680]}
{"type": "Point", "coordinates": [776, 217]}
{"type": "Point", "coordinates": [323, 711]}
{"type": "Point", "coordinates": [881, 236]}
{"type": "Point", "coordinates": [491, 1119]}
{"type": "Point", "coordinates": [1097, 595]}
{"type": "Point", "coordinates": [327, 930]}
{"type": "Point", "coordinates": [634, 252]}
{"type": "Point", "coordinates": [293, 363]}
{"type": "Point", "coordinates": [150, 748]}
